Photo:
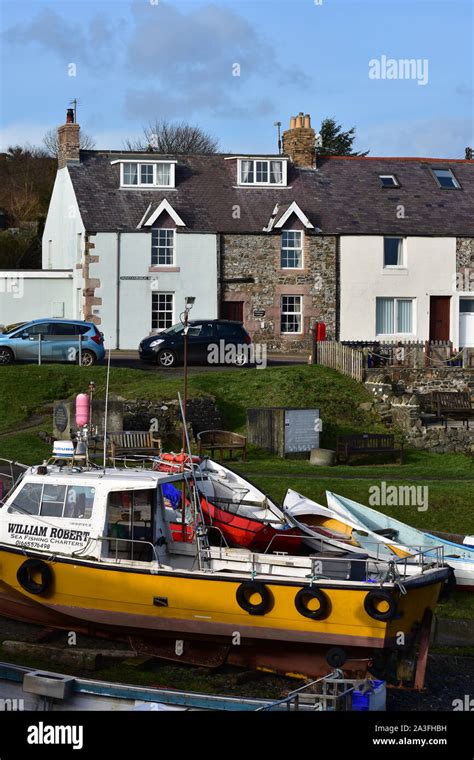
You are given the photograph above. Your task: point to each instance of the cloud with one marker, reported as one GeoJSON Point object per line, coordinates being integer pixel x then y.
{"type": "Point", "coordinates": [91, 43]}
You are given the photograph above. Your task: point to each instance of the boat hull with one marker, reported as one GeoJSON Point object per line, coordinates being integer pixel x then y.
{"type": "Point", "coordinates": [188, 606]}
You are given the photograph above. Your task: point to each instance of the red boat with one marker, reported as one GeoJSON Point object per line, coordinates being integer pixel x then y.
{"type": "Point", "coordinates": [235, 508]}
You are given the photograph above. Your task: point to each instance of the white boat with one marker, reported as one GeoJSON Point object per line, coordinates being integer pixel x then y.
{"type": "Point", "coordinates": [406, 538]}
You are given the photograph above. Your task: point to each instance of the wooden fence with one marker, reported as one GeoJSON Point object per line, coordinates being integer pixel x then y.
{"type": "Point", "coordinates": [349, 361]}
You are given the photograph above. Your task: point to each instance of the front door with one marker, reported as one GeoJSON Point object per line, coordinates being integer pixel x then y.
{"type": "Point", "coordinates": [232, 310]}
{"type": "Point", "coordinates": [439, 318]}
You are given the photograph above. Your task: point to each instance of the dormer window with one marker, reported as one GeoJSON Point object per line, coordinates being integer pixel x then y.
{"type": "Point", "coordinates": [148, 174]}
{"type": "Point", "coordinates": [261, 172]}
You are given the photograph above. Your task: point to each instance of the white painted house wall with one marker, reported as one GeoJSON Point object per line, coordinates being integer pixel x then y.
{"type": "Point", "coordinates": [35, 294]}
{"type": "Point", "coordinates": [430, 271]}
{"type": "Point", "coordinates": [63, 236]}
{"type": "Point", "coordinates": [126, 308]}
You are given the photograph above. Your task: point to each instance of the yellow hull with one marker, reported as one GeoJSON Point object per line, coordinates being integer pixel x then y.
{"type": "Point", "coordinates": [205, 604]}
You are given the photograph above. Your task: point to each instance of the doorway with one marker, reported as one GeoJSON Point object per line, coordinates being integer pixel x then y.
{"type": "Point", "coordinates": [466, 322]}
{"type": "Point", "coordinates": [233, 310]}
{"type": "Point", "coordinates": [439, 318]}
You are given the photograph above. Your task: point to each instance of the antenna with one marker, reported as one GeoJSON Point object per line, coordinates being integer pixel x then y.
{"type": "Point", "coordinates": [74, 103]}
{"type": "Point", "coordinates": [278, 125]}
{"type": "Point", "coordinates": [106, 408]}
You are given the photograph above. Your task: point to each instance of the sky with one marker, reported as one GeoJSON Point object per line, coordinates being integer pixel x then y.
{"type": "Point", "coordinates": [235, 68]}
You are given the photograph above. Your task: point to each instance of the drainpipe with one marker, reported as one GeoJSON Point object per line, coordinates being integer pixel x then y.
{"type": "Point", "coordinates": [117, 315]}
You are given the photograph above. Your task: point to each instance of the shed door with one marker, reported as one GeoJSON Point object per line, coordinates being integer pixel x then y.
{"type": "Point", "coordinates": [466, 322]}
{"type": "Point", "coordinates": [439, 317]}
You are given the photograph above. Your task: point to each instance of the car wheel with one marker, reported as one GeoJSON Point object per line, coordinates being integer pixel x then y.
{"type": "Point", "coordinates": [241, 360]}
{"type": "Point", "coordinates": [6, 356]}
{"type": "Point", "coordinates": [88, 358]}
{"type": "Point", "coordinates": [166, 358]}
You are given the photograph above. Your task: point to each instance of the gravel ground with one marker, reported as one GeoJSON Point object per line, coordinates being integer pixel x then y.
{"type": "Point", "coordinates": [449, 677]}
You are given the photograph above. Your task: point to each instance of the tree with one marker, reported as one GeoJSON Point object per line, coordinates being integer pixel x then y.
{"type": "Point", "coordinates": [165, 137]}
{"type": "Point", "coordinates": [51, 142]}
{"type": "Point", "coordinates": [336, 142]}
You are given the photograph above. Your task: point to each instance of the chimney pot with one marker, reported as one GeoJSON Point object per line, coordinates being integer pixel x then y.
{"type": "Point", "coordinates": [293, 122]}
{"type": "Point", "coordinates": [299, 120]}
{"type": "Point", "coordinates": [70, 116]}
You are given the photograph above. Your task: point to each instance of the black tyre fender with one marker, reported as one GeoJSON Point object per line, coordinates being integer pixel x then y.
{"type": "Point", "coordinates": [25, 576]}
{"type": "Point", "coordinates": [305, 595]}
{"type": "Point", "coordinates": [336, 657]}
{"type": "Point", "coordinates": [374, 598]}
{"type": "Point", "coordinates": [246, 590]}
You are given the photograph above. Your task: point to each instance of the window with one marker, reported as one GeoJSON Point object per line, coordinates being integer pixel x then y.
{"type": "Point", "coordinates": [262, 172]}
{"type": "Point", "coordinates": [161, 311]}
{"type": "Point", "coordinates": [389, 180]}
{"type": "Point", "coordinates": [291, 314]}
{"type": "Point", "coordinates": [393, 252]}
{"type": "Point", "coordinates": [130, 525]}
{"type": "Point", "coordinates": [74, 502]}
{"type": "Point", "coordinates": [147, 174]}
{"type": "Point", "coordinates": [394, 316]}
{"type": "Point", "coordinates": [445, 178]}
{"type": "Point", "coordinates": [466, 305]}
{"type": "Point", "coordinates": [28, 500]}
{"type": "Point", "coordinates": [162, 247]}
{"type": "Point", "coordinates": [291, 249]}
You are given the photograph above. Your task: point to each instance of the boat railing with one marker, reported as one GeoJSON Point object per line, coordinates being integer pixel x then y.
{"type": "Point", "coordinates": [331, 692]}
{"type": "Point", "coordinates": [425, 558]}
{"type": "Point", "coordinates": [132, 541]}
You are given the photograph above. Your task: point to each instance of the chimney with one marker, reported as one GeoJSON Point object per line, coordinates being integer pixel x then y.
{"type": "Point", "coordinates": [299, 141]}
{"type": "Point", "coordinates": [68, 140]}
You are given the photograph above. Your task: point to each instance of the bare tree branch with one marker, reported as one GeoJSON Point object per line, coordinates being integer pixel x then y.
{"type": "Point", "coordinates": [166, 137]}
{"type": "Point", "coordinates": [51, 142]}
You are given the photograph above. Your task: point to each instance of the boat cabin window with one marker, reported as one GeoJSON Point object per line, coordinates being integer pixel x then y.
{"type": "Point", "coordinates": [130, 525]}
{"type": "Point", "coordinates": [172, 497]}
{"type": "Point", "coordinates": [49, 500]}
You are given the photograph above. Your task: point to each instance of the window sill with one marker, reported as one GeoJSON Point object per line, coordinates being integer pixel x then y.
{"type": "Point", "coordinates": [164, 268]}
{"type": "Point", "coordinates": [395, 270]}
{"type": "Point", "coordinates": [248, 186]}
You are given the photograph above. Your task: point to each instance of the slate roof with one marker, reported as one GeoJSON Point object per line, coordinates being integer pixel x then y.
{"type": "Point", "coordinates": [342, 196]}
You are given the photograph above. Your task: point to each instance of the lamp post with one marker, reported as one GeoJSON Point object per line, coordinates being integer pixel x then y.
{"type": "Point", "coordinates": [188, 305]}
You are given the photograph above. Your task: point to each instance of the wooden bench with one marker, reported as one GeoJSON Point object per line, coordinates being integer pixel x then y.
{"type": "Point", "coordinates": [452, 405]}
{"type": "Point", "coordinates": [133, 442]}
{"type": "Point", "coordinates": [367, 443]}
{"type": "Point", "coordinates": [221, 440]}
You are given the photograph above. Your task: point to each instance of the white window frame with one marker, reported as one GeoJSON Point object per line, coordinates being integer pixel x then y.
{"type": "Point", "coordinates": [157, 247]}
{"type": "Point", "coordinates": [253, 160]}
{"type": "Point", "coordinates": [166, 311]}
{"type": "Point", "coordinates": [154, 184]}
{"type": "Point", "coordinates": [456, 185]}
{"type": "Point", "coordinates": [403, 265]}
{"type": "Point", "coordinates": [292, 248]}
{"type": "Point", "coordinates": [395, 299]}
{"type": "Point", "coordinates": [396, 183]}
{"type": "Point", "coordinates": [300, 312]}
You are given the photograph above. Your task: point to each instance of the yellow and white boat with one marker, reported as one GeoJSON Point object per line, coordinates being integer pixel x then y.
{"type": "Point", "coordinates": [91, 550]}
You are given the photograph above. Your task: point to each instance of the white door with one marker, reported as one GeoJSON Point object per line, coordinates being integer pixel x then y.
{"type": "Point", "coordinates": [466, 322]}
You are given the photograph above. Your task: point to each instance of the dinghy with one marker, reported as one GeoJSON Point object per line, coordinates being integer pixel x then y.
{"type": "Point", "coordinates": [459, 556]}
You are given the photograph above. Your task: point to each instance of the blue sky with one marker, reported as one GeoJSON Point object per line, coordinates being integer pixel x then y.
{"type": "Point", "coordinates": [142, 60]}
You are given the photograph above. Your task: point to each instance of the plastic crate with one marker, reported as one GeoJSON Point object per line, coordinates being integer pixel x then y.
{"type": "Point", "coordinates": [372, 699]}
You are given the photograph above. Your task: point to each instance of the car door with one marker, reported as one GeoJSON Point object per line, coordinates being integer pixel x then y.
{"type": "Point", "coordinates": [200, 337]}
{"type": "Point", "coordinates": [26, 342]}
{"type": "Point", "coordinates": [64, 341]}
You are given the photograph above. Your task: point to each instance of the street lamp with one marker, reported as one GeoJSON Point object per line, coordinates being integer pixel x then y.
{"type": "Point", "coordinates": [184, 317]}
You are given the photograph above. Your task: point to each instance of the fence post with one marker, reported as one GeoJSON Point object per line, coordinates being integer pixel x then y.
{"type": "Point", "coordinates": [80, 349]}
{"type": "Point", "coordinates": [39, 347]}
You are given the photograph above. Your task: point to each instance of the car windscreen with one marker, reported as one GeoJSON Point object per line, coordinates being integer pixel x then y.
{"type": "Point", "coordinates": [173, 330]}
{"type": "Point", "coordinates": [10, 329]}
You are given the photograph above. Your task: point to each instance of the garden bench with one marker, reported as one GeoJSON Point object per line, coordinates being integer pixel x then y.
{"type": "Point", "coordinates": [452, 405]}
{"type": "Point", "coordinates": [221, 440]}
{"type": "Point", "coordinates": [367, 443]}
{"type": "Point", "coordinates": [133, 442]}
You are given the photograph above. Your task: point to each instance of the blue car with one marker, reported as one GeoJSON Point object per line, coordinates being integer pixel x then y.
{"type": "Point", "coordinates": [58, 340]}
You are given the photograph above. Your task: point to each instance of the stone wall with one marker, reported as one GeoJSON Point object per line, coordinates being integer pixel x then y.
{"type": "Point", "coordinates": [165, 416]}
{"type": "Point", "coordinates": [251, 272]}
{"type": "Point", "coordinates": [402, 401]}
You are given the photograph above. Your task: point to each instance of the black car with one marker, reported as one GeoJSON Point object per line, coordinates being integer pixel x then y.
{"type": "Point", "coordinates": [210, 341]}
